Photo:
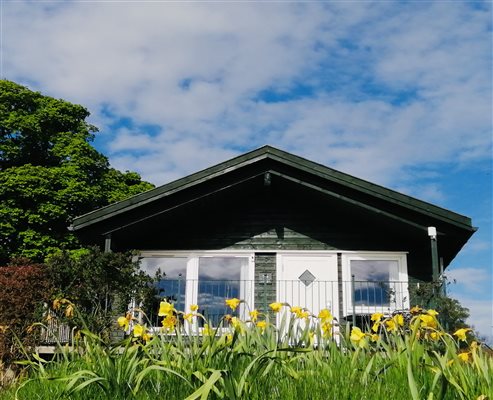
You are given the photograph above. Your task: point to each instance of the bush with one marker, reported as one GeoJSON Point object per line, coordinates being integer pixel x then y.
{"type": "Point", "coordinates": [24, 290]}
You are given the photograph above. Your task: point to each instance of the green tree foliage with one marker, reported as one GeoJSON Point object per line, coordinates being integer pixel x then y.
{"type": "Point", "coordinates": [50, 172]}
{"type": "Point", "coordinates": [99, 284]}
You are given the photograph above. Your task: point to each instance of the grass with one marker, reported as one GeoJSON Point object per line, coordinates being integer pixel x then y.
{"type": "Point", "coordinates": [301, 358]}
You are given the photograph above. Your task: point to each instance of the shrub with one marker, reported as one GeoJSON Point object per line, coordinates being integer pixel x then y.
{"type": "Point", "coordinates": [24, 290]}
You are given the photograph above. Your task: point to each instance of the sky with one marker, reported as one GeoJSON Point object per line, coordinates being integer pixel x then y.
{"type": "Point", "coordinates": [397, 93]}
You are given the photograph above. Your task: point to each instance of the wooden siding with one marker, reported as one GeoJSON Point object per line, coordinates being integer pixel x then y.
{"type": "Point", "coordinates": [265, 293]}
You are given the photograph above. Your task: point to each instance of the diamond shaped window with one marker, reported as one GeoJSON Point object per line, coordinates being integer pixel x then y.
{"type": "Point", "coordinates": [307, 278]}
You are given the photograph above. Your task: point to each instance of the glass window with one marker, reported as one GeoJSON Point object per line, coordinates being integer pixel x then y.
{"type": "Point", "coordinates": [170, 274]}
{"type": "Point", "coordinates": [373, 281]}
{"type": "Point", "coordinates": [219, 279]}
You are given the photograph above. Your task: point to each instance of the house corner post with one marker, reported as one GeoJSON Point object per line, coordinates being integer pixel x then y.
{"type": "Point", "coordinates": [432, 233]}
{"type": "Point", "coordinates": [107, 243]}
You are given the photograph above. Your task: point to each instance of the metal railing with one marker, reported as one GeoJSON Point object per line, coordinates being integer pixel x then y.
{"type": "Point", "coordinates": [349, 301]}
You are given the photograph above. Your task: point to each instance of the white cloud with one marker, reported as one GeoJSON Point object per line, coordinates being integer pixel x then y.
{"type": "Point", "coordinates": [197, 69]}
{"type": "Point", "coordinates": [471, 279]}
{"type": "Point", "coordinates": [481, 316]}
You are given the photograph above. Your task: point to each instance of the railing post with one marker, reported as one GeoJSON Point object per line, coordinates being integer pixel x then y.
{"type": "Point", "coordinates": [353, 288]}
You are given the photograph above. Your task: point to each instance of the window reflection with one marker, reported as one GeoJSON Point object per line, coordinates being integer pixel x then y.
{"type": "Point", "coordinates": [219, 279]}
{"type": "Point", "coordinates": [170, 274]}
{"type": "Point", "coordinates": [372, 281]}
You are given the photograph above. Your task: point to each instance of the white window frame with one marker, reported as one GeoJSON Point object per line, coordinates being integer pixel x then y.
{"type": "Point", "coordinates": [400, 276]}
{"type": "Point", "coordinates": [247, 273]}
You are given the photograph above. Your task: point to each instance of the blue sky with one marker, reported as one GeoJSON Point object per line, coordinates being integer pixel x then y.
{"type": "Point", "coordinates": [398, 93]}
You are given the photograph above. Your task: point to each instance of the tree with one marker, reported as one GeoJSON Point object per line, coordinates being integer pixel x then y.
{"type": "Point", "coordinates": [50, 173]}
{"type": "Point", "coordinates": [100, 285]}
{"type": "Point", "coordinates": [452, 314]}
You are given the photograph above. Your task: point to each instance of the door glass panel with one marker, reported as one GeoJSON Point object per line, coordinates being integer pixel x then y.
{"type": "Point", "coordinates": [372, 281]}
{"type": "Point", "coordinates": [170, 274]}
{"type": "Point", "coordinates": [219, 279]}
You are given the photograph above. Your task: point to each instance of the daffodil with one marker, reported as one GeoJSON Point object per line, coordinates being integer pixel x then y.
{"type": "Point", "coordinates": [416, 310]}
{"type": "Point", "coordinates": [326, 328]}
{"type": "Point", "coordinates": [435, 335]}
{"type": "Point", "coordinates": [123, 322]}
{"type": "Point", "coordinates": [325, 316]}
{"type": "Point", "coordinates": [139, 330]}
{"type": "Point", "coordinates": [276, 307]}
{"type": "Point", "coordinates": [262, 325]}
{"type": "Point", "coordinates": [463, 356]}
{"type": "Point", "coordinates": [188, 317]}
{"type": "Point", "coordinates": [358, 337]}
{"type": "Point", "coordinates": [376, 317]}
{"type": "Point", "coordinates": [461, 333]}
{"type": "Point", "coordinates": [304, 314]}
{"type": "Point", "coordinates": [165, 308]}
{"type": "Point", "coordinates": [428, 321]}
{"type": "Point", "coordinates": [391, 325]}
{"type": "Point", "coordinates": [233, 303]}
{"type": "Point", "coordinates": [69, 311]}
{"type": "Point", "coordinates": [254, 315]}
{"type": "Point", "coordinates": [297, 311]}
{"type": "Point", "coordinates": [194, 307]}
{"type": "Point", "coordinates": [146, 336]}
{"type": "Point", "coordinates": [169, 322]}
{"type": "Point", "coordinates": [399, 319]}
{"type": "Point", "coordinates": [57, 304]}
{"type": "Point", "coordinates": [235, 322]}
{"type": "Point", "coordinates": [432, 312]}
{"type": "Point", "coordinates": [375, 337]}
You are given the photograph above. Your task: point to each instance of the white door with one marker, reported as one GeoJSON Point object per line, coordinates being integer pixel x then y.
{"type": "Point", "coordinates": [308, 280]}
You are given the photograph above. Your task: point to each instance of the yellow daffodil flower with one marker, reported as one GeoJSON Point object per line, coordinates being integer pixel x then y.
{"type": "Point", "coordinates": [57, 304]}
{"type": "Point", "coordinates": [146, 336]}
{"type": "Point", "coordinates": [463, 356]}
{"type": "Point", "coordinates": [276, 307]}
{"type": "Point", "coordinates": [69, 311]}
{"type": "Point", "coordinates": [376, 317]}
{"type": "Point", "coordinates": [431, 312]}
{"type": "Point", "coordinates": [254, 315]}
{"type": "Point", "coordinates": [325, 316]}
{"type": "Point", "coordinates": [169, 322]}
{"type": "Point", "coordinates": [435, 335]}
{"type": "Point", "coordinates": [416, 310]}
{"type": "Point", "coordinates": [165, 308]}
{"type": "Point", "coordinates": [461, 333]}
{"type": "Point", "coordinates": [139, 330]}
{"type": "Point", "coordinates": [304, 314]}
{"type": "Point", "coordinates": [391, 325]}
{"type": "Point", "coordinates": [428, 321]}
{"type": "Point", "coordinates": [358, 337]}
{"type": "Point", "coordinates": [297, 311]}
{"type": "Point", "coordinates": [123, 322]}
{"type": "Point", "coordinates": [326, 328]}
{"type": "Point", "coordinates": [194, 307]}
{"type": "Point", "coordinates": [262, 325]}
{"type": "Point", "coordinates": [399, 319]}
{"type": "Point", "coordinates": [188, 317]}
{"type": "Point", "coordinates": [375, 337]}
{"type": "Point", "coordinates": [233, 303]}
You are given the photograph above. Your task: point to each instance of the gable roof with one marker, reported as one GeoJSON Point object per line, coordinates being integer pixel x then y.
{"type": "Point", "coordinates": [292, 161]}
